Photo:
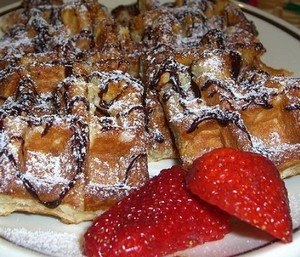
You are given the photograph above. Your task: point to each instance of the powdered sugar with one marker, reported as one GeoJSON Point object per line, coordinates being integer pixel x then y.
{"type": "Point", "coordinates": [49, 242]}
{"type": "Point", "coordinates": [44, 171]}
{"type": "Point", "coordinates": [277, 152]}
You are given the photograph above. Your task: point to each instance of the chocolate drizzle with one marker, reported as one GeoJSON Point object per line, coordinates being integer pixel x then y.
{"type": "Point", "coordinates": [63, 96]}
{"type": "Point", "coordinates": [292, 107]}
{"type": "Point", "coordinates": [159, 137]}
{"type": "Point", "coordinates": [104, 79]}
{"type": "Point", "coordinates": [77, 99]}
{"type": "Point", "coordinates": [79, 144]}
{"type": "Point", "coordinates": [223, 116]}
{"type": "Point", "coordinates": [134, 160]}
{"type": "Point", "coordinates": [127, 112]}
{"type": "Point", "coordinates": [26, 94]}
{"type": "Point", "coordinates": [68, 70]}
{"type": "Point", "coordinates": [236, 62]}
{"type": "Point", "coordinates": [23, 106]}
{"type": "Point", "coordinates": [173, 68]}
{"type": "Point", "coordinates": [195, 87]}
{"type": "Point", "coordinates": [42, 29]}
{"type": "Point", "coordinates": [252, 96]}
{"type": "Point", "coordinates": [48, 125]}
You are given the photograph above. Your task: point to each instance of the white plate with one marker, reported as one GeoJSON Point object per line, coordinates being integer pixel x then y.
{"type": "Point", "coordinates": [47, 235]}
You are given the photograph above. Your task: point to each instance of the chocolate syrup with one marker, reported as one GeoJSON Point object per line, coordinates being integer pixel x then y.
{"type": "Point", "coordinates": [18, 173]}
{"type": "Point", "coordinates": [68, 70]}
{"type": "Point", "coordinates": [55, 16]}
{"type": "Point", "coordinates": [48, 125]}
{"type": "Point", "coordinates": [79, 143]}
{"type": "Point", "coordinates": [107, 124]}
{"type": "Point", "coordinates": [292, 107]}
{"type": "Point", "coordinates": [103, 106]}
{"type": "Point", "coordinates": [131, 165]}
{"type": "Point", "coordinates": [211, 113]}
{"type": "Point", "coordinates": [26, 96]}
{"type": "Point", "coordinates": [222, 116]}
{"type": "Point", "coordinates": [102, 111]}
{"type": "Point", "coordinates": [127, 113]}
{"type": "Point", "coordinates": [213, 39]}
{"type": "Point", "coordinates": [43, 34]}
{"type": "Point", "coordinates": [255, 93]}
{"type": "Point", "coordinates": [172, 67]}
{"type": "Point", "coordinates": [159, 137]}
{"type": "Point", "coordinates": [236, 62]}
{"type": "Point", "coordinates": [77, 99]}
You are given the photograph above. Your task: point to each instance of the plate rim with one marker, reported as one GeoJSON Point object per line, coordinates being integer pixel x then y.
{"type": "Point", "coordinates": [271, 19]}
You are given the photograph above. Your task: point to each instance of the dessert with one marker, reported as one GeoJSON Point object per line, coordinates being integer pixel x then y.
{"type": "Point", "coordinates": [217, 102]}
{"type": "Point", "coordinates": [87, 97]}
{"type": "Point", "coordinates": [74, 147]}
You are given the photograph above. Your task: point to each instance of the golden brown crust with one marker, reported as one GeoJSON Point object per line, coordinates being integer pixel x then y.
{"type": "Point", "coordinates": [78, 144]}
{"type": "Point", "coordinates": [215, 104]}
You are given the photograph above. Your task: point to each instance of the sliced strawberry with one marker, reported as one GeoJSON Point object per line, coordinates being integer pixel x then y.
{"type": "Point", "coordinates": [246, 185]}
{"type": "Point", "coordinates": [159, 218]}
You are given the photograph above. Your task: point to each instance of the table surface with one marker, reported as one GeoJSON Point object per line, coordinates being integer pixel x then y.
{"type": "Point", "coordinates": [6, 2]}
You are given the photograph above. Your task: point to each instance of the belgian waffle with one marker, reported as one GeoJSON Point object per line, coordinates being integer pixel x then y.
{"type": "Point", "coordinates": [208, 106]}
{"type": "Point", "coordinates": [87, 97]}
{"type": "Point", "coordinates": [73, 147]}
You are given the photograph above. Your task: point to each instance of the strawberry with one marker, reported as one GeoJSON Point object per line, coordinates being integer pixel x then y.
{"type": "Point", "coordinates": [159, 218]}
{"type": "Point", "coordinates": [246, 185]}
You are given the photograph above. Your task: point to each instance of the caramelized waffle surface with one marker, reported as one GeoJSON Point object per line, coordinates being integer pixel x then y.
{"type": "Point", "coordinates": [211, 104]}
{"type": "Point", "coordinates": [72, 145]}
{"type": "Point", "coordinates": [87, 97]}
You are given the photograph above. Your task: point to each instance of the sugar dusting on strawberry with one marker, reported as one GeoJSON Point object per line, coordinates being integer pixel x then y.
{"type": "Point", "coordinates": [159, 218]}
{"type": "Point", "coordinates": [246, 185]}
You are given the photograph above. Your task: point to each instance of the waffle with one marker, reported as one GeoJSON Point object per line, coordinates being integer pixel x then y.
{"type": "Point", "coordinates": [68, 33]}
{"type": "Point", "coordinates": [213, 105]}
{"type": "Point", "coordinates": [88, 97]}
{"type": "Point", "coordinates": [61, 143]}
{"type": "Point", "coordinates": [189, 69]}
{"type": "Point", "coordinates": [221, 25]}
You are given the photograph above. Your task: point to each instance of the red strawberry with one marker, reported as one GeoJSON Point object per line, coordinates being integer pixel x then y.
{"type": "Point", "coordinates": [159, 218]}
{"type": "Point", "coordinates": [246, 185]}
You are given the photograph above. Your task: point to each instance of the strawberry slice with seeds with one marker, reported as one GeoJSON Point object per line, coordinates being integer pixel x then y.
{"type": "Point", "coordinates": [159, 218]}
{"type": "Point", "coordinates": [246, 185]}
